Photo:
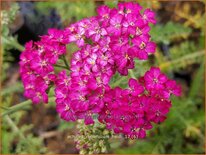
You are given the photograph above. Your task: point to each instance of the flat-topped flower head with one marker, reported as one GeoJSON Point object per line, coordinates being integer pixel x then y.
{"type": "Point", "coordinates": [107, 44]}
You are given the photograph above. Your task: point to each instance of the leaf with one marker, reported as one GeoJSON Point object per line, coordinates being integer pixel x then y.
{"type": "Point", "coordinates": [169, 32]}
{"type": "Point", "coordinates": [183, 61]}
{"type": "Point", "coordinates": [197, 82]}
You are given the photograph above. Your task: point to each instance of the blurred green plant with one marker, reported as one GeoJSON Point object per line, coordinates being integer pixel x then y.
{"type": "Point", "coordinates": [7, 17]}
{"type": "Point", "coordinates": [69, 11]}
{"type": "Point", "coordinates": [180, 55]}
{"type": "Point", "coordinates": [195, 19]}
{"type": "Point", "coordinates": [7, 40]}
{"type": "Point", "coordinates": [14, 139]}
{"type": "Point", "coordinates": [18, 139]}
{"type": "Point", "coordinates": [28, 144]}
{"type": "Point", "coordinates": [181, 60]}
{"type": "Point", "coordinates": [170, 32]}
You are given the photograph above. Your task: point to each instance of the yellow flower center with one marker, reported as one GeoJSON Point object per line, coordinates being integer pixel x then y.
{"type": "Point", "coordinates": [142, 45]}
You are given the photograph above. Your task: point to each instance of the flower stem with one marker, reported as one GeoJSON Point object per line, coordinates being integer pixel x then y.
{"type": "Point", "coordinates": [14, 127]}
{"type": "Point", "coordinates": [65, 61]}
{"type": "Point", "coordinates": [16, 107]}
{"type": "Point", "coordinates": [13, 43]}
{"type": "Point", "coordinates": [132, 73]}
{"type": "Point", "coordinates": [18, 131]}
{"type": "Point", "coordinates": [119, 81]}
{"type": "Point", "coordinates": [5, 108]}
{"type": "Point", "coordinates": [61, 66]}
{"type": "Point", "coordinates": [18, 46]}
{"type": "Point", "coordinates": [21, 106]}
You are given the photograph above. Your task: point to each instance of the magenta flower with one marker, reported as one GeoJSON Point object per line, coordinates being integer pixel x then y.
{"type": "Point", "coordinates": [79, 100]}
{"type": "Point", "coordinates": [103, 11]}
{"type": "Point", "coordinates": [56, 36]}
{"type": "Point", "coordinates": [173, 88]}
{"type": "Point", "coordinates": [65, 111]}
{"type": "Point", "coordinates": [63, 80]}
{"type": "Point", "coordinates": [142, 47]}
{"type": "Point", "coordinates": [54, 50]}
{"type": "Point", "coordinates": [135, 87]}
{"type": "Point", "coordinates": [92, 62]}
{"type": "Point", "coordinates": [41, 65]}
{"type": "Point", "coordinates": [77, 36]}
{"type": "Point", "coordinates": [149, 16]}
{"type": "Point", "coordinates": [115, 25]}
{"type": "Point", "coordinates": [154, 79]}
{"type": "Point", "coordinates": [118, 42]}
{"type": "Point", "coordinates": [129, 8]}
{"type": "Point", "coordinates": [157, 113]}
{"type": "Point", "coordinates": [129, 24]}
{"type": "Point", "coordinates": [123, 60]}
{"type": "Point", "coordinates": [105, 59]}
{"type": "Point", "coordinates": [96, 32]}
{"type": "Point", "coordinates": [36, 90]}
{"type": "Point", "coordinates": [108, 43]}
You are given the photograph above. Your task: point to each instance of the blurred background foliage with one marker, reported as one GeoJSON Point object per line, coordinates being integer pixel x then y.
{"type": "Point", "coordinates": [180, 36]}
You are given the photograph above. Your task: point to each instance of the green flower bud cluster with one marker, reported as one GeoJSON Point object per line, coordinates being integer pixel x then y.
{"type": "Point", "coordinates": [92, 139]}
{"type": "Point", "coordinates": [4, 17]}
{"type": "Point", "coordinates": [8, 16]}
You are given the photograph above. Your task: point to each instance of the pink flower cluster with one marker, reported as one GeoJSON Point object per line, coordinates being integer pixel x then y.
{"type": "Point", "coordinates": [36, 65]}
{"type": "Point", "coordinates": [108, 42]}
{"type": "Point", "coordinates": [131, 111]}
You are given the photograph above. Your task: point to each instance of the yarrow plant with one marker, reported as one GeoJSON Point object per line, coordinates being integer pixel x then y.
{"type": "Point", "coordinates": [108, 43]}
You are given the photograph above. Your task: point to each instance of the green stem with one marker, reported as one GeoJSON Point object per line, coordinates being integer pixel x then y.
{"type": "Point", "coordinates": [65, 61]}
{"type": "Point", "coordinates": [197, 84]}
{"type": "Point", "coordinates": [8, 90]}
{"type": "Point", "coordinates": [182, 59]}
{"type": "Point", "coordinates": [19, 132]}
{"type": "Point", "coordinates": [17, 46]}
{"type": "Point", "coordinates": [119, 81]}
{"type": "Point", "coordinates": [187, 124]}
{"type": "Point", "coordinates": [132, 73]}
{"type": "Point", "coordinates": [14, 127]}
{"type": "Point", "coordinates": [13, 42]}
{"type": "Point", "coordinates": [3, 107]}
{"type": "Point", "coordinates": [16, 107]}
{"type": "Point", "coordinates": [155, 149]}
{"type": "Point", "coordinates": [61, 66]}
{"type": "Point", "coordinates": [21, 106]}
{"type": "Point", "coordinates": [123, 78]}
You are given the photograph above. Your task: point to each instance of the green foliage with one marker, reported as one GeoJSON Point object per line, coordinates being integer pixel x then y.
{"type": "Point", "coordinates": [12, 134]}
{"type": "Point", "coordinates": [7, 17]}
{"type": "Point", "coordinates": [192, 17]}
{"type": "Point", "coordinates": [65, 125]}
{"type": "Point", "coordinates": [180, 55]}
{"type": "Point", "coordinates": [14, 139]}
{"type": "Point", "coordinates": [170, 32]}
{"type": "Point", "coordinates": [70, 10]}
{"type": "Point", "coordinates": [183, 61]}
{"type": "Point", "coordinates": [7, 40]}
{"type": "Point", "coordinates": [17, 88]}
{"type": "Point", "coordinates": [111, 4]}
{"type": "Point", "coordinates": [196, 86]}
